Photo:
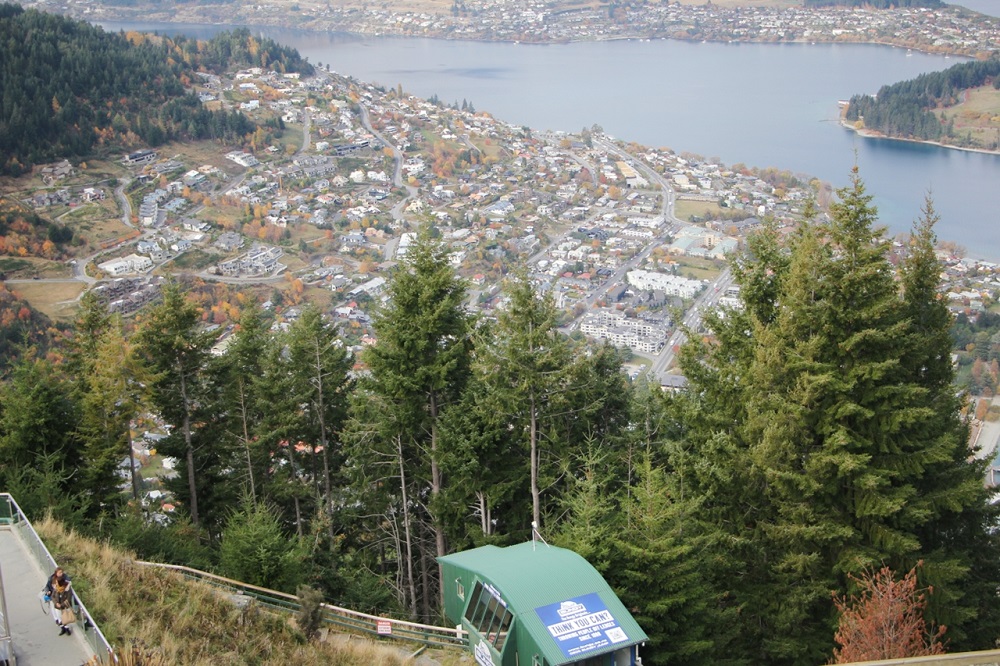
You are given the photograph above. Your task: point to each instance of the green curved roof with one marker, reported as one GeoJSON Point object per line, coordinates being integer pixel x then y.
{"type": "Point", "coordinates": [534, 576]}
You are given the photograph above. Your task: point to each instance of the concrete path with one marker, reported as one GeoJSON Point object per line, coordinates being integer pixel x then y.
{"type": "Point", "coordinates": [36, 637]}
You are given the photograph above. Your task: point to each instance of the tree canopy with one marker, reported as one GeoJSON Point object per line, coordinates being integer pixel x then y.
{"type": "Point", "coordinates": [68, 88]}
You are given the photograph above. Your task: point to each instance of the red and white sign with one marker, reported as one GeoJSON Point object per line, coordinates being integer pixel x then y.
{"type": "Point", "coordinates": [383, 627]}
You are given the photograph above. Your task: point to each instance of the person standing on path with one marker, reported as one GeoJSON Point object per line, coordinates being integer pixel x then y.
{"type": "Point", "coordinates": [57, 589]}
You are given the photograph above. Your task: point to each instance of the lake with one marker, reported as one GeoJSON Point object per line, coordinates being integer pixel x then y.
{"type": "Point", "coordinates": [759, 104]}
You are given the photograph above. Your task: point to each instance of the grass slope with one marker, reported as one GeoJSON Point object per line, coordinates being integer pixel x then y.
{"type": "Point", "coordinates": [186, 622]}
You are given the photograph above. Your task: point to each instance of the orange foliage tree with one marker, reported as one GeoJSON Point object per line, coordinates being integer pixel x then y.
{"type": "Point", "coordinates": [885, 620]}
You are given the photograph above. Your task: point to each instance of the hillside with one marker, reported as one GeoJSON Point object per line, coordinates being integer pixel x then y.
{"type": "Point", "coordinates": [69, 88]}
{"type": "Point", "coordinates": [189, 623]}
{"type": "Point", "coordinates": [878, 4]}
{"type": "Point", "coordinates": [930, 107]}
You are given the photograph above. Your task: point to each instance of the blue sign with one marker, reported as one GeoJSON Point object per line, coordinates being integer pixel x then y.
{"type": "Point", "coordinates": [581, 625]}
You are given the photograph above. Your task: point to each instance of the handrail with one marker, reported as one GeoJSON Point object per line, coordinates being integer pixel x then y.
{"type": "Point", "coordinates": [983, 658]}
{"type": "Point", "coordinates": [352, 620]}
{"type": "Point", "coordinates": [16, 518]}
{"type": "Point", "coordinates": [7, 655]}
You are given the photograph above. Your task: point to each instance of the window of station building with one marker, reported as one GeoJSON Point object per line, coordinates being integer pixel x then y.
{"type": "Point", "coordinates": [504, 631]}
{"type": "Point", "coordinates": [489, 617]}
{"type": "Point", "coordinates": [459, 588]}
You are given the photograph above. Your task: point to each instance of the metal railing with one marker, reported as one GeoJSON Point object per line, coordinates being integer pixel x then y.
{"type": "Point", "coordinates": [6, 641]}
{"type": "Point", "coordinates": [335, 616]}
{"type": "Point", "coordinates": [985, 658]}
{"type": "Point", "coordinates": [11, 514]}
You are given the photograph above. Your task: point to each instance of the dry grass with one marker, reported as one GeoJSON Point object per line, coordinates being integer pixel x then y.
{"type": "Point", "coordinates": [978, 115]}
{"type": "Point", "coordinates": [685, 209]}
{"type": "Point", "coordinates": [698, 268]}
{"type": "Point", "coordinates": [185, 622]}
{"type": "Point", "coordinates": [56, 299]}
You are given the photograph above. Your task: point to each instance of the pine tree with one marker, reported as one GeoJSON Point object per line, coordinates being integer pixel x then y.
{"type": "Point", "coordinates": [38, 419]}
{"type": "Point", "coordinates": [115, 396]}
{"type": "Point", "coordinates": [657, 567]}
{"type": "Point", "coordinates": [254, 549]}
{"type": "Point", "coordinates": [421, 364]}
{"type": "Point", "coordinates": [836, 407]}
{"type": "Point", "coordinates": [958, 538]}
{"type": "Point", "coordinates": [176, 350]}
{"type": "Point", "coordinates": [524, 366]}
{"type": "Point", "coordinates": [320, 362]}
{"type": "Point", "coordinates": [240, 371]}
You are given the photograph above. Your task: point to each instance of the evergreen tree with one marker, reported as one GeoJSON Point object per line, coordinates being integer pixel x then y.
{"type": "Point", "coordinates": [115, 396]}
{"type": "Point", "coordinates": [420, 366]}
{"type": "Point", "coordinates": [38, 421]}
{"type": "Point", "coordinates": [284, 480]}
{"type": "Point", "coordinates": [240, 370]}
{"type": "Point", "coordinates": [829, 418]}
{"type": "Point", "coordinates": [657, 567]}
{"type": "Point", "coordinates": [320, 364]}
{"type": "Point", "coordinates": [176, 350]}
{"type": "Point", "coordinates": [959, 538]}
{"type": "Point", "coordinates": [254, 550]}
{"type": "Point", "coordinates": [524, 365]}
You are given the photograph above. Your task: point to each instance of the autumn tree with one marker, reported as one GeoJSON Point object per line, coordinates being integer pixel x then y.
{"type": "Point", "coordinates": [884, 619]}
{"type": "Point", "coordinates": [115, 396]}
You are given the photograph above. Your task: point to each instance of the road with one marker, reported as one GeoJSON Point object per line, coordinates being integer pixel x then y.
{"type": "Point", "coordinates": [692, 322]}
{"type": "Point", "coordinates": [707, 299]}
{"type": "Point", "coordinates": [306, 127]}
{"type": "Point", "coordinates": [397, 165]}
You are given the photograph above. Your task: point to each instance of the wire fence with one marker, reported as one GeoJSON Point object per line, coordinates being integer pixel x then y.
{"type": "Point", "coordinates": [11, 514]}
{"type": "Point", "coordinates": [335, 617]}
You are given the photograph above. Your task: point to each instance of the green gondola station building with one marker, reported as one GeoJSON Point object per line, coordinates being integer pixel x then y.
{"type": "Point", "coordinates": [537, 605]}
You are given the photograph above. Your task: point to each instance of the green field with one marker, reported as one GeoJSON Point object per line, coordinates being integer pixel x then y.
{"type": "Point", "coordinates": [977, 116]}
{"type": "Point", "coordinates": [686, 209]}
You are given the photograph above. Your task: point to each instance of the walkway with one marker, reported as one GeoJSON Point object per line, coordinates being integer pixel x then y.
{"type": "Point", "coordinates": [36, 638]}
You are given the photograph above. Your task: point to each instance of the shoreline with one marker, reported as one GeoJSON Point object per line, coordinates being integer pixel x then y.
{"type": "Point", "coordinates": [874, 134]}
{"type": "Point", "coordinates": [320, 26]}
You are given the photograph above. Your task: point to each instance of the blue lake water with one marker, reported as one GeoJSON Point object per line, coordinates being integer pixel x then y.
{"type": "Point", "coordinates": [759, 104]}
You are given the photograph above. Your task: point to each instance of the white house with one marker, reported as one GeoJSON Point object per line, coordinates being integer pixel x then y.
{"type": "Point", "coordinates": [133, 263]}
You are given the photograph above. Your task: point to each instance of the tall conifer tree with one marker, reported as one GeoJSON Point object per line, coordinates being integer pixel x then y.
{"type": "Point", "coordinates": [837, 419]}
{"type": "Point", "coordinates": [421, 364]}
{"type": "Point", "coordinates": [176, 350]}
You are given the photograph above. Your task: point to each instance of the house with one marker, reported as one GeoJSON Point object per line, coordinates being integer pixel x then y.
{"type": "Point", "coordinates": [140, 157]}
{"type": "Point", "coordinates": [229, 241]}
{"type": "Point", "coordinates": [373, 287]}
{"type": "Point", "coordinates": [92, 194]}
{"type": "Point", "coordinates": [133, 263]}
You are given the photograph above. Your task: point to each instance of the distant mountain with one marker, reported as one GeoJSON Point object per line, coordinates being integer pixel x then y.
{"type": "Point", "coordinates": [878, 4]}
{"type": "Point", "coordinates": [68, 88]}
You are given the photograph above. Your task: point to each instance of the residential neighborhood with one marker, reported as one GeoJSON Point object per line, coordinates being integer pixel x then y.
{"type": "Point", "coordinates": [625, 238]}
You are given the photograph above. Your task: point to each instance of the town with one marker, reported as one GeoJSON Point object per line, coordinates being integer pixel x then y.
{"type": "Point", "coordinates": [631, 242]}
{"type": "Point", "coordinates": [947, 29]}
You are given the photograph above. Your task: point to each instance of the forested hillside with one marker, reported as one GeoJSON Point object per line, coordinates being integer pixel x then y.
{"type": "Point", "coordinates": [23, 232]}
{"type": "Point", "coordinates": [821, 438]}
{"type": "Point", "coordinates": [904, 109]}
{"type": "Point", "coordinates": [69, 88]}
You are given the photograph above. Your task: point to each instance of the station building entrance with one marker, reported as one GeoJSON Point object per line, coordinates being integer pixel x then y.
{"type": "Point", "coordinates": [537, 605]}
